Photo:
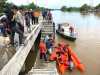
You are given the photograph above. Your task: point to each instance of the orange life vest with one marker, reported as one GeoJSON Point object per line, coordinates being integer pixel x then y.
{"type": "Point", "coordinates": [42, 47]}
{"type": "Point", "coordinates": [36, 13]}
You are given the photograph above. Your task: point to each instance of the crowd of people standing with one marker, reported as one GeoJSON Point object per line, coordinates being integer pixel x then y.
{"type": "Point", "coordinates": [15, 20]}
{"type": "Point", "coordinates": [47, 15]}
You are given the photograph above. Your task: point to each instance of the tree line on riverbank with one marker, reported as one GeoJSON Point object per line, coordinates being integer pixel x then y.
{"type": "Point", "coordinates": [83, 8]}
{"type": "Point", "coordinates": [5, 5]}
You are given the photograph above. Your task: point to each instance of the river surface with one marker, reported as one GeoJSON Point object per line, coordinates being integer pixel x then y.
{"type": "Point", "coordinates": [87, 45]}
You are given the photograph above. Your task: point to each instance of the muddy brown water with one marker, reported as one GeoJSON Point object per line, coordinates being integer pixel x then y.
{"type": "Point", "coordinates": [87, 45]}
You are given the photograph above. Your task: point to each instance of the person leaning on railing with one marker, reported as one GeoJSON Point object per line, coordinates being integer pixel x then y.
{"type": "Point", "coordinates": [16, 25]}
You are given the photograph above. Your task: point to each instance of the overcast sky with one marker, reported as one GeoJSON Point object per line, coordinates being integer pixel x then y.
{"type": "Point", "coordinates": [56, 3]}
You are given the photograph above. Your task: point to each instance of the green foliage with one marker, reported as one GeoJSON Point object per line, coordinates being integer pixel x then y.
{"type": "Point", "coordinates": [85, 7]}
{"type": "Point", "coordinates": [97, 7]}
{"type": "Point", "coordinates": [30, 6]}
{"type": "Point", "coordinates": [2, 5]}
{"type": "Point", "coordinates": [73, 9]}
{"type": "Point", "coordinates": [63, 8]}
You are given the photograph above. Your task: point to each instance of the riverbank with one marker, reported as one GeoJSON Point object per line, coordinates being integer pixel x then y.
{"type": "Point", "coordinates": [87, 44]}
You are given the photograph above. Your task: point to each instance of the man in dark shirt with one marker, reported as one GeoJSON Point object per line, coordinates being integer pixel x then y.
{"type": "Point", "coordinates": [14, 26]}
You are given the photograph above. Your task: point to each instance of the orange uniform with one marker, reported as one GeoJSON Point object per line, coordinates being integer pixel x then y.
{"type": "Point", "coordinates": [76, 60]}
{"type": "Point", "coordinates": [62, 63]}
{"type": "Point", "coordinates": [53, 56]}
{"type": "Point", "coordinates": [36, 13]}
{"type": "Point", "coordinates": [42, 47]}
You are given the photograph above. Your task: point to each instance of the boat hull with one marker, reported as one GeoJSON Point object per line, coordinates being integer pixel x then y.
{"type": "Point", "coordinates": [65, 36]}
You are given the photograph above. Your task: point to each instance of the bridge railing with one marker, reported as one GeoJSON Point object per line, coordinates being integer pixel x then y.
{"type": "Point", "coordinates": [15, 64]}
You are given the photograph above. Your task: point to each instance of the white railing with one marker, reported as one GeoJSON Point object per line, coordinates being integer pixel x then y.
{"type": "Point", "coordinates": [13, 67]}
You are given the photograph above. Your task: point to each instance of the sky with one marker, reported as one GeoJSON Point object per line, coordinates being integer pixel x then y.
{"type": "Point", "coordinates": [56, 3]}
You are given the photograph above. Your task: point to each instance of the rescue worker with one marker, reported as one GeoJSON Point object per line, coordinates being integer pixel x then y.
{"type": "Point", "coordinates": [62, 63]}
{"type": "Point", "coordinates": [43, 50]}
{"type": "Point", "coordinates": [53, 55]}
{"type": "Point", "coordinates": [60, 48]}
{"type": "Point", "coordinates": [70, 62]}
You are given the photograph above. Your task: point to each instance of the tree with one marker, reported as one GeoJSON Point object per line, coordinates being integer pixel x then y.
{"type": "Point", "coordinates": [63, 8]}
{"type": "Point", "coordinates": [69, 9]}
{"type": "Point", "coordinates": [97, 7]}
{"type": "Point", "coordinates": [85, 7]}
{"type": "Point", "coordinates": [2, 5]}
{"type": "Point", "coordinates": [30, 6]}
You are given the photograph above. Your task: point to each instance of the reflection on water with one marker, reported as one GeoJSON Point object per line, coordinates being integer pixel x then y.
{"type": "Point", "coordinates": [87, 45]}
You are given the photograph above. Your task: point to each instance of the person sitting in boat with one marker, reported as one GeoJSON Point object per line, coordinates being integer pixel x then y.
{"type": "Point", "coordinates": [71, 29]}
{"type": "Point", "coordinates": [59, 27]}
{"type": "Point", "coordinates": [62, 30]}
{"type": "Point", "coordinates": [70, 62]}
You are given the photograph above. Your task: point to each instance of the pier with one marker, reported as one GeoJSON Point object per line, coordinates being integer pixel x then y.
{"type": "Point", "coordinates": [17, 63]}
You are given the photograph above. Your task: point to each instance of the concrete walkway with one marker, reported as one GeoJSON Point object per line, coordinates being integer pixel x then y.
{"type": "Point", "coordinates": [43, 68]}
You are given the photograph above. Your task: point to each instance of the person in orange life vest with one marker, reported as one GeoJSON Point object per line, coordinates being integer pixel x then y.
{"type": "Point", "coordinates": [42, 48]}
{"type": "Point", "coordinates": [58, 61]}
{"type": "Point", "coordinates": [62, 44]}
{"type": "Point", "coordinates": [54, 54]}
{"type": "Point", "coordinates": [60, 47]}
{"type": "Point", "coordinates": [56, 49]}
{"type": "Point", "coordinates": [71, 29]}
{"type": "Point", "coordinates": [61, 62]}
{"type": "Point", "coordinates": [70, 62]}
{"type": "Point", "coordinates": [64, 57]}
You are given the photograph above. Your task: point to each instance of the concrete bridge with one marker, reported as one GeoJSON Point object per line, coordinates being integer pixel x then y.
{"type": "Point", "coordinates": [17, 63]}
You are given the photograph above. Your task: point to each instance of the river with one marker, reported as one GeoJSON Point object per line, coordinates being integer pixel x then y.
{"type": "Point", "coordinates": [87, 45]}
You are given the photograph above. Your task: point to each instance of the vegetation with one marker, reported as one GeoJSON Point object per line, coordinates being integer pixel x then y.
{"type": "Point", "coordinates": [73, 9]}
{"type": "Point", "coordinates": [63, 8]}
{"type": "Point", "coordinates": [97, 7]}
{"type": "Point", "coordinates": [85, 7]}
{"type": "Point", "coordinates": [30, 6]}
{"type": "Point", "coordinates": [2, 5]}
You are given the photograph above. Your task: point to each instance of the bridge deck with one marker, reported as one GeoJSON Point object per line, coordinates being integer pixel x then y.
{"type": "Point", "coordinates": [43, 68]}
{"type": "Point", "coordinates": [15, 64]}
